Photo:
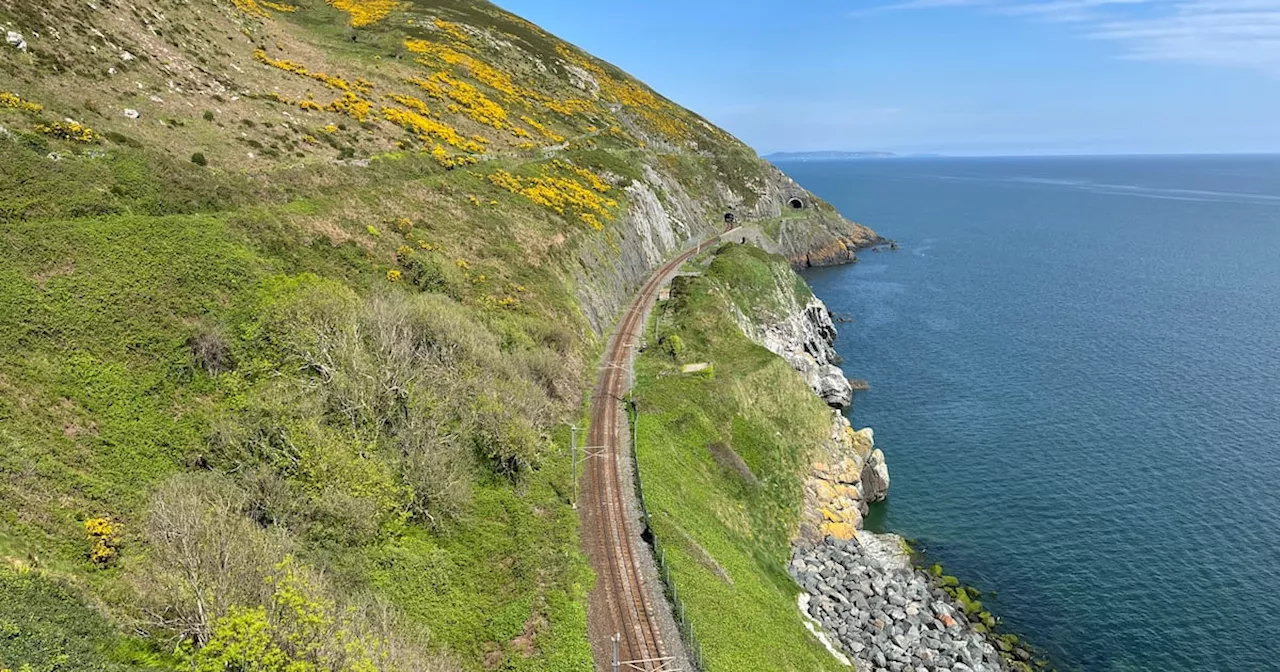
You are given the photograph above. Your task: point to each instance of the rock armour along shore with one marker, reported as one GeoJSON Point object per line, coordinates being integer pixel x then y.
{"type": "Point", "coordinates": [888, 616]}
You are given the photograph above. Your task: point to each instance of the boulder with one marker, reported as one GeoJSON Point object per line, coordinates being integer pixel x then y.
{"type": "Point", "coordinates": [15, 40]}
{"type": "Point", "coordinates": [830, 384]}
{"type": "Point", "coordinates": [875, 477]}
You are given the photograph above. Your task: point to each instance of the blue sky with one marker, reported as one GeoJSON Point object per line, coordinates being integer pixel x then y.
{"type": "Point", "coordinates": [952, 76]}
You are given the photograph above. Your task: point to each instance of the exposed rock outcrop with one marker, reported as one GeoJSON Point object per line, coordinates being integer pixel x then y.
{"type": "Point", "coordinates": [665, 215]}
{"type": "Point", "coordinates": [821, 237]}
{"type": "Point", "coordinates": [15, 40]}
{"type": "Point", "coordinates": [834, 500]}
{"type": "Point", "coordinates": [875, 477]}
{"type": "Point", "coordinates": [804, 335]}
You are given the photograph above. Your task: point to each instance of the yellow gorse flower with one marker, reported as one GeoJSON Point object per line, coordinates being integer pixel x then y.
{"type": "Point", "coordinates": [105, 538]}
{"type": "Point", "coordinates": [68, 130]}
{"type": "Point", "coordinates": [351, 104]}
{"type": "Point", "coordinates": [546, 132]}
{"type": "Point", "coordinates": [330, 81]}
{"type": "Point", "coordinates": [14, 101]}
{"type": "Point", "coordinates": [661, 114]}
{"type": "Point", "coordinates": [454, 30]}
{"type": "Point", "coordinates": [565, 195]}
{"type": "Point", "coordinates": [279, 7]}
{"type": "Point", "coordinates": [365, 12]}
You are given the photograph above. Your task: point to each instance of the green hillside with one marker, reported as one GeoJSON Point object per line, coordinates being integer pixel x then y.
{"type": "Point", "coordinates": [297, 300]}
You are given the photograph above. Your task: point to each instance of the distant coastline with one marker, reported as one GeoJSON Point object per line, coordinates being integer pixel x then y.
{"type": "Point", "coordinates": [828, 155]}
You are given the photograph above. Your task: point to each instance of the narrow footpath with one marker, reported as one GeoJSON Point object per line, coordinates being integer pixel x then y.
{"type": "Point", "coordinates": [627, 600]}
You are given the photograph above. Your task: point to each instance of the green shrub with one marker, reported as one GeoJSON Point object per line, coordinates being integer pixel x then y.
{"type": "Point", "coordinates": [122, 139]}
{"type": "Point", "coordinates": [208, 115]}
{"type": "Point", "coordinates": [198, 159]}
{"type": "Point", "coordinates": [674, 345]}
{"type": "Point", "coordinates": [206, 556]}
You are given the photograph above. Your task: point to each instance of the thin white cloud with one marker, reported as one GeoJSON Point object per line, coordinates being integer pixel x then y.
{"type": "Point", "coordinates": [1235, 33]}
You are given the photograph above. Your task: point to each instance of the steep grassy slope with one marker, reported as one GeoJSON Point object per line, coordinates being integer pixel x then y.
{"type": "Point", "coordinates": [295, 301]}
{"type": "Point", "coordinates": [722, 453]}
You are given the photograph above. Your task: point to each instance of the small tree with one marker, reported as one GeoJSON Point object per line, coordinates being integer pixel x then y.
{"type": "Point", "coordinates": [199, 159]}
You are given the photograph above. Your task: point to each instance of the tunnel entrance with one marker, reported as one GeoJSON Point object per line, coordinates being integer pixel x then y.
{"type": "Point", "coordinates": [795, 203]}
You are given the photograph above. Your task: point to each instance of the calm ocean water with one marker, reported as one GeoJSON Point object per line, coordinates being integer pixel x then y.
{"type": "Point", "coordinates": [1075, 375]}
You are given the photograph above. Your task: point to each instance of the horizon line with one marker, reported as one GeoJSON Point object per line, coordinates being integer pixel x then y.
{"type": "Point", "coordinates": [941, 155]}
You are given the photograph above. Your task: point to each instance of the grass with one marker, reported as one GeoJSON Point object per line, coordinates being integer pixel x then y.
{"type": "Point", "coordinates": [45, 627]}
{"type": "Point", "coordinates": [502, 570]}
{"type": "Point", "coordinates": [721, 458]}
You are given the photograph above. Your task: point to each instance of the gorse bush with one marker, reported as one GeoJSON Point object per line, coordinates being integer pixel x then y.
{"type": "Point", "coordinates": [235, 597]}
{"type": "Point", "coordinates": [104, 536]}
{"type": "Point", "coordinates": [206, 557]}
{"type": "Point", "coordinates": [299, 629]}
{"type": "Point", "coordinates": [364, 368]}
{"type": "Point", "coordinates": [415, 377]}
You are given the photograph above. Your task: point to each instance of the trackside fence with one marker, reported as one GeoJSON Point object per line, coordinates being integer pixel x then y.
{"type": "Point", "coordinates": [683, 624]}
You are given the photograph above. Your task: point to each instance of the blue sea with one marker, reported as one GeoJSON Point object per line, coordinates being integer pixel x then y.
{"type": "Point", "coordinates": [1075, 376]}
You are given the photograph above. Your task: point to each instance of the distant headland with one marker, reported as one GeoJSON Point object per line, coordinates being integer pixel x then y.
{"type": "Point", "coordinates": [828, 155]}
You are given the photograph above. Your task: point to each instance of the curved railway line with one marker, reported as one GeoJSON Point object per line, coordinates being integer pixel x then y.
{"type": "Point", "coordinates": [622, 603]}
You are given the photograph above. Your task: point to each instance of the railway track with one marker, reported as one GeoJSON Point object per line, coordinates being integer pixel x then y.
{"type": "Point", "coordinates": [621, 603]}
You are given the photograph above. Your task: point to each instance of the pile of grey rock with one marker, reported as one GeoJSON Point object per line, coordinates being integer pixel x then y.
{"type": "Point", "coordinates": [888, 615]}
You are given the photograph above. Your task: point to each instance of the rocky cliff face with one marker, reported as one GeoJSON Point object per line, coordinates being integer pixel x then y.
{"type": "Point", "coordinates": [804, 335]}
{"type": "Point", "coordinates": [815, 234]}
{"type": "Point", "coordinates": [665, 215]}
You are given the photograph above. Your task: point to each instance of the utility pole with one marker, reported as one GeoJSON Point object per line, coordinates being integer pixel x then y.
{"type": "Point", "coordinates": [573, 461]}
